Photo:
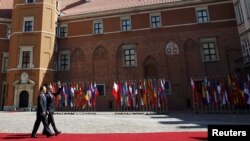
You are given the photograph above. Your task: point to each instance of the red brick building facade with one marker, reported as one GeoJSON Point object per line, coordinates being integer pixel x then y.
{"type": "Point", "coordinates": [105, 41]}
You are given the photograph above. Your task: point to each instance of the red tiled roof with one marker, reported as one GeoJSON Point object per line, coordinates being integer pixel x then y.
{"type": "Point", "coordinates": [6, 8]}
{"type": "Point", "coordinates": [71, 7]}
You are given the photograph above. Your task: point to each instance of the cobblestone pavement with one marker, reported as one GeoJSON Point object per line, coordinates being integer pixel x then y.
{"type": "Point", "coordinates": [110, 122]}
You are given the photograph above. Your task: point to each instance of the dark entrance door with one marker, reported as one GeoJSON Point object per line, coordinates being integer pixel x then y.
{"type": "Point", "coordinates": [24, 99]}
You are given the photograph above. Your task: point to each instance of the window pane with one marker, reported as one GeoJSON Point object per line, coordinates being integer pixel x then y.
{"type": "Point", "coordinates": [206, 51]}
{"type": "Point", "coordinates": [199, 14]}
{"type": "Point", "coordinates": [212, 51]}
{"type": "Point", "coordinates": [132, 62]}
{"type": "Point", "coordinates": [132, 57]}
{"type": "Point", "coordinates": [205, 45]}
{"type": "Point", "coordinates": [126, 52]}
{"type": "Point", "coordinates": [127, 58]}
{"type": "Point", "coordinates": [213, 57]}
{"type": "Point", "coordinates": [211, 45]}
{"type": "Point", "coordinates": [204, 13]}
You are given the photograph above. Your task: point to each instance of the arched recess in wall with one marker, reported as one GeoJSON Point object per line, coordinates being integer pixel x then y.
{"type": "Point", "coordinates": [77, 69]}
{"type": "Point", "coordinates": [150, 67]}
{"type": "Point", "coordinates": [193, 59]}
{"type": "Point", "coordinates": [100, 65]}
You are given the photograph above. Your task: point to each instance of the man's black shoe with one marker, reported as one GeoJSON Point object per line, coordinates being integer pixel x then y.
{"type": "Point", "coordinates": [33, 136]}
{"type": "Point", "coordinates": [44, 133]}
{"type": "Point", "coordinates": [58, 132]}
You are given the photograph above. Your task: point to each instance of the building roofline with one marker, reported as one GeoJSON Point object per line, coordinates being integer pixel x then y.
{"type": "Point", "coordinates": [174, 5]}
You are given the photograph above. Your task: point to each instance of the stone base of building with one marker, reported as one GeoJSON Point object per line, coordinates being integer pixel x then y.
{"type": "Point", "coordinates": [12, 108]}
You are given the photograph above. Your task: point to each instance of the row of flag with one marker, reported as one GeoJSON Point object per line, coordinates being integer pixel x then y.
{"type": "Point", "coordinates": [142, 93]}
{"type": "Point", "coordinates": [230, 90]}
{"type": "Point", "coordinates": [75, 94]}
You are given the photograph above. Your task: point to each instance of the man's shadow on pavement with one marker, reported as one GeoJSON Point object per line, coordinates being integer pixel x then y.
{"type": "Point", "coordinates": [20, 136]}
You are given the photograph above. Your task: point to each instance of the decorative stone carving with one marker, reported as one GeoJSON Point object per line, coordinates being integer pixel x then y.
{"type": "Point", "coordinates": [24, 78]}
{"type": "Point", "coordinates": [172, 48]}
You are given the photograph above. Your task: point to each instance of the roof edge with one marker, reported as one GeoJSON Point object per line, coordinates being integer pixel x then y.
{"type": "Point", "coordinates": [136, 9]}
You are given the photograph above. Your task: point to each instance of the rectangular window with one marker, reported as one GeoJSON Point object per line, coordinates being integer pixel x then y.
{"type": "Point", "coordinates": [98, 27]}
{"type": "Point", "coordinates": [4, 94]}
{"type": "Point", "coordinates": [202, 15]}
{"type": "Point", "coordinates": [101, 89]}
{"type": "Point", "coordinates": [26, 59]}
{"type": "Point", "coordinates": [238, 13]}
{"type": "Point", "coordinates": [63, 31]}
{"type": "Point", "coordinates": [8, 32]}
{"type": "Point", "coordinates": [248, 8]}
{"type": "Point", "coordinates": [30, 1]}
{"type": "Point", "coordinates": [246, 50]}
{"type": "Point", "coordinates": [129, 57]}
{"type": "Point", "coordinates": [126, 24]}
{"type": "Point", "coordinates": [155, 20]}
{"type": "Point", "coordinates": [28, 24]}
{"type": "Point", "coordinates": [64, 60]}
{"type": "Point", "coordinates": [5, 62]}
{"type": "Point", "coordinates": [209, 50]}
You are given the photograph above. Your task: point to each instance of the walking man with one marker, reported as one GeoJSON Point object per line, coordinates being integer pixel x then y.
{"type": "Point", "coordinates": [41, 114]}
{"type": "Point", "coordinates": [50, 96]}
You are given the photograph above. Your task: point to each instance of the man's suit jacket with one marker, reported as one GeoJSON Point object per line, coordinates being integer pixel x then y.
{"type": "Point", "coordinates": [41, 104]}
{"type": "Point", "coordinates": [50, 99]}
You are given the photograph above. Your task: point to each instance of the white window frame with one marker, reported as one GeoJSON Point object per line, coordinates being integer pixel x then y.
{"type": "Point", "coordinates": [5, 54]}
{"type": "Point", "coordinates": [126, 18]}
{"type": "Point", "coordinates": [245, 44]}
{"type": "Point", "coordinates": [95, 22]}
{"type": "Point", "coordinates": [206, 40]}
{"type": "Point", "coordinates": [28, 19]}
{"type": "Point", "coordinates": [30, 2]}
{"type": "Point", "coordinates": [239, 13]}
{"type": "Point", "coordinates": [150, 18]}
{"type": "Point", "coordinates": [21, 50]}
{"type": "Point", "coordinates": [66, 32]}
{"type": "Point", "coordinates": [199, 9]}
{"type": "Point", "coordinates": [126, 47]}
{"type": "Point", "coordinates": [248, 8]}
{"type": "Point", "coordinates": [59, 61]}
{"type": "Point", "coordinates": [8, 32]}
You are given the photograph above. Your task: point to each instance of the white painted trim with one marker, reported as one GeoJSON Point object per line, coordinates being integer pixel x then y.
{"type": "Point", "coordinates": [41, 31]}
{"type": "Point", "coordinates": [202, 8]}
{"type": "Point", "coordinates": [150, 19]}
{"type": "Point", "coordinates": [4, 39]}
{"type": "Point", "coordinates": [5, 54]}
{"type": "Point", "coordinates": [37, 3]}
{"type": "Point", "coordinates": [5, 20]}
{"type": "Point", "coordinates": [132, 11]}
{"type": "Point", "coordinates": [17, 69]}
{"type": "Point", "coordinates": [25, 19]}
{"type": "Point", "coordinates": [98, 21]}
{"type": "Point", "coordinates": [22, 49]}
{"type": "Point", "coordinates": [142, 29]}
{"type": "Point", "coordinates": [125, 18]}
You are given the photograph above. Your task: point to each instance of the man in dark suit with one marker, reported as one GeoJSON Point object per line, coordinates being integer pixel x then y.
{"type": "Point", "coordinates": [41, 114]}
{"type": "Point", "coordinates": [50, 96]}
